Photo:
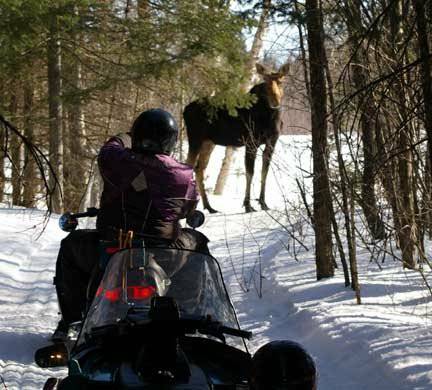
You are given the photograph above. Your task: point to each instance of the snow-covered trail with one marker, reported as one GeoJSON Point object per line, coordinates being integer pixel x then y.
{"type": "Point", "coordinates": [27, 296]}
{"type": "Point", "coordinates": [247, 245]}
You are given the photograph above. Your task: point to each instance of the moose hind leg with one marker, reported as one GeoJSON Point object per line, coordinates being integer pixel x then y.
{"type": "Point", "coordinates": [251, 151]}
{"type": "Point", "coordinates": [203, 160]}
{"type": "Point", "coordinates": [267, 156]}
{"type": "Point", "coordinates": [193, 153]}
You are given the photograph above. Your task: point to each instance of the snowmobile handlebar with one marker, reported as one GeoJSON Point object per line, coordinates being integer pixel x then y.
{"type": "Point", "coordinates": [236, 332]}
{"type": "Point", "coordinates": [206, 325]}
{"type": "Point", "coordinates": [91, 212]}
{"type": "Point", "coordinates": [69, 222]}
{"type": "Point", "coordinates": [180, 326]}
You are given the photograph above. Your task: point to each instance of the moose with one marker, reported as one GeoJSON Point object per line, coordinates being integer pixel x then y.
{"type": "Point", "coordinates": [252, 127]}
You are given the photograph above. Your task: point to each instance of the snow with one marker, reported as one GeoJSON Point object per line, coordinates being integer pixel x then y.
{"type": "Point", "coordinates": [385, 343]}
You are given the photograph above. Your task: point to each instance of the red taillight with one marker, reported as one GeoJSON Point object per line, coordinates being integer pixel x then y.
{"type": "Point", "coordinates": [113, 295]}
{"type": "Point", "coordinates": [99, 291]}
{"type": "Point", "coordinates": [111, 250]}
{"type": "Point", "coordinates": [140, 292]}
{"type": "Point", "coordinates": [133, 292]}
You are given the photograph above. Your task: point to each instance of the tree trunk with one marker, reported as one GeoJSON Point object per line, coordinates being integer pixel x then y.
{"type": "Point", "coordinates": [408, 232]}
{"type": "Point", "coordinates": [368, 194]}
{"type": "Point", "coordinates": [257, 44]}
{"type": "Point", "coordinates": [303, 52]}
{"type": "Point", "coordinates": [353, 259]}
{"type": "Point", "coordinates": [77, 164]}
{"type": "Point", "coordinates": [77, 145]}
{"type": "Point", "coordinates": [182, 130]}
{"type": "Point", "coordinates": [142, 8]}
{"type": "Point", "coordinates": [387, 173]}
{"type": "Point", "coordinates": [367, 111]}
{"type": "Point", "coordinates": [427, 197]}
{"type": "Point", "coordinates": [2, 159]}
{"type": "Point", "coordinates": [30, 180]}
{"type": "Point", "coordinates": [224, 171]}
{"type": "Point", "coordinates": [350, 238]}
{"type": "Point", "coordinates": [321, 191]}
{"type": "Point", "coordinates": [55, 117]}
{"type": "Point", "coordinates": [426, 81]}
{"type": "Point", "coordinates": [3, 146]}
{"type": "Point", "coordinates": [408, 235]}
{"type": "Point", "coordinates": [16, 156]}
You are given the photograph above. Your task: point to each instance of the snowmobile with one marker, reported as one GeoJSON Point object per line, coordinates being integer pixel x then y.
{"type": "Point", "coordinates": [161, 318]}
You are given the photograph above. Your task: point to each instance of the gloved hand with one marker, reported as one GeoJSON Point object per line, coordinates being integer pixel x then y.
{"type": "Point", "coordinates": [126, 139]}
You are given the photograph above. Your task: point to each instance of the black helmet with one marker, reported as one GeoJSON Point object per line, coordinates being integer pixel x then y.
{"type": "Point", "coordinates": [154, 130]}
{"type": "Point", "coordinates": [282, 365]}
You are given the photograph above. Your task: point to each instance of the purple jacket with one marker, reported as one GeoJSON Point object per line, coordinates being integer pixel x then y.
{"type": "Point", "coordinates": [146, 193]}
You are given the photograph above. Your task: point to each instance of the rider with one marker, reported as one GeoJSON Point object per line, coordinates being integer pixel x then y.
{"type": "Point", "coordinates": [145, 191]}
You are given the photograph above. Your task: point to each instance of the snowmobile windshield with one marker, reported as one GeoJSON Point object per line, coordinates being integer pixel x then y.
{"type": "Point", "coordinates": [134, 276]}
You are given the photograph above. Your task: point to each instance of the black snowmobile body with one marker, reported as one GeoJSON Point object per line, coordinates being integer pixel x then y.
{"type": "Point", "coordinates": [160, 319]}
{"type": "Point", "coordinates": [138, 331]}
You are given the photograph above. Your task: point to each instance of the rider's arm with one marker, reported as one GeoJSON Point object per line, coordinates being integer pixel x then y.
{"type": "Point", "coordinates": [126, 140]}
{"type": "Point", "coordinates": [117, 163]}
{"type": "Point", "coordinates": [191, 200]}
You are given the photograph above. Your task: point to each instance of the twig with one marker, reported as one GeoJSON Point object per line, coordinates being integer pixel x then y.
{"type": "Point", "coordinates": [303, 195]}
{"type": "Point", "coordinates": [3, 382]}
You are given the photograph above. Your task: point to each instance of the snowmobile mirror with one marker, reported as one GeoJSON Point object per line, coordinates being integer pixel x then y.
{"type": "Point", "coordinates": [196, 219]}
{"type": "Point", "coordinates": [67, 222]}
{"type": "Point", "coordinates": [52, 356]}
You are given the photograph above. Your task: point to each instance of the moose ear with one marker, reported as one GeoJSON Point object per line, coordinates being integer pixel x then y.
{"type": "Point", "coordinates": [261, 69]}
{"type": "Point", "coordinates": [284, 69]}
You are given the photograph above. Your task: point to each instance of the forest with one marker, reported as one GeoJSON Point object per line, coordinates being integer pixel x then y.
{"type": "Point", "coordinates": [75, 72]}
{"type": "Point", "coordinates": [333, 253]}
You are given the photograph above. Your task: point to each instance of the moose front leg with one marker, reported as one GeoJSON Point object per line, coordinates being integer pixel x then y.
{"type": "Point", "coordinates": [250, 156]}
{"type": "Point", "coordinates": [267, 156]}
{"type": "Point", "coordinates": [203, 160]}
